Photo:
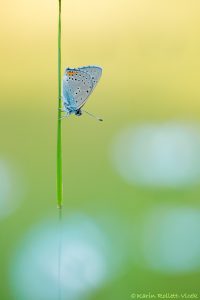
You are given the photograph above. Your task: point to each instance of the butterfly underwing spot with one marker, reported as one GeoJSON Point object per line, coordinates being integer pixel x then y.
{"type": "Point", "coordinates": [94, 72]}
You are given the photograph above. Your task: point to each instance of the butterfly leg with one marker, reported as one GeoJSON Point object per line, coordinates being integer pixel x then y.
{"type": "Point", "coordinates": [65, 116]}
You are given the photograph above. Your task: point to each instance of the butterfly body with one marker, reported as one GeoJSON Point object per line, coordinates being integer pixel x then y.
{"type": "Point", "coordinates": [78, 84]}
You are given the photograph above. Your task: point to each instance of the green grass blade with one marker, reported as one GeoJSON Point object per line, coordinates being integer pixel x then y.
{"type": "Point", "coordinates": [59, 128]}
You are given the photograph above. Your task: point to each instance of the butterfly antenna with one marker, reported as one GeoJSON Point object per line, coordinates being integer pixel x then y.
{"type": "Point", "coordinates": [97, 118]}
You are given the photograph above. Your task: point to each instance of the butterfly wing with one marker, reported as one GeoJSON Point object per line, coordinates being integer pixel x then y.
{"type": "Point", "coordinates": [77, 86]}
{"type": "Point", "coordinates": [94, 72]}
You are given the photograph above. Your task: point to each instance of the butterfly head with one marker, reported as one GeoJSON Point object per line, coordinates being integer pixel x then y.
{"type": "Point", "coordinates": [78, 112]}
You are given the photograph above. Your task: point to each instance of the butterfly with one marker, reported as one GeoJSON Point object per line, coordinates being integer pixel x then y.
{"type": "Point", "coordinates": [78, 84]}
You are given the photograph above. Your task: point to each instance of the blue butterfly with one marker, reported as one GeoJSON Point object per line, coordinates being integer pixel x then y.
{"type": "Point", "coordinates": [78, 84]}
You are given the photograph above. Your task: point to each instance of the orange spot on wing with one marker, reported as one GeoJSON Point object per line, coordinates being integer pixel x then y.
{"type": "Point", "coordinates": [71, 73]}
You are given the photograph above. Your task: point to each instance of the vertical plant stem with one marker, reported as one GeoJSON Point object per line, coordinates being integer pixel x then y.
{"type": "Point", "coordinates": [59, 128]}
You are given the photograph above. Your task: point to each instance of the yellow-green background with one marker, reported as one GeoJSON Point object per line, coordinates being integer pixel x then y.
{"type": "Point", "coordinates": [150, 54]}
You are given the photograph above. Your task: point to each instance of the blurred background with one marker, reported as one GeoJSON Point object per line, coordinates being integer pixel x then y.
{"type": "Point", "coordinates": [131, 217]}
